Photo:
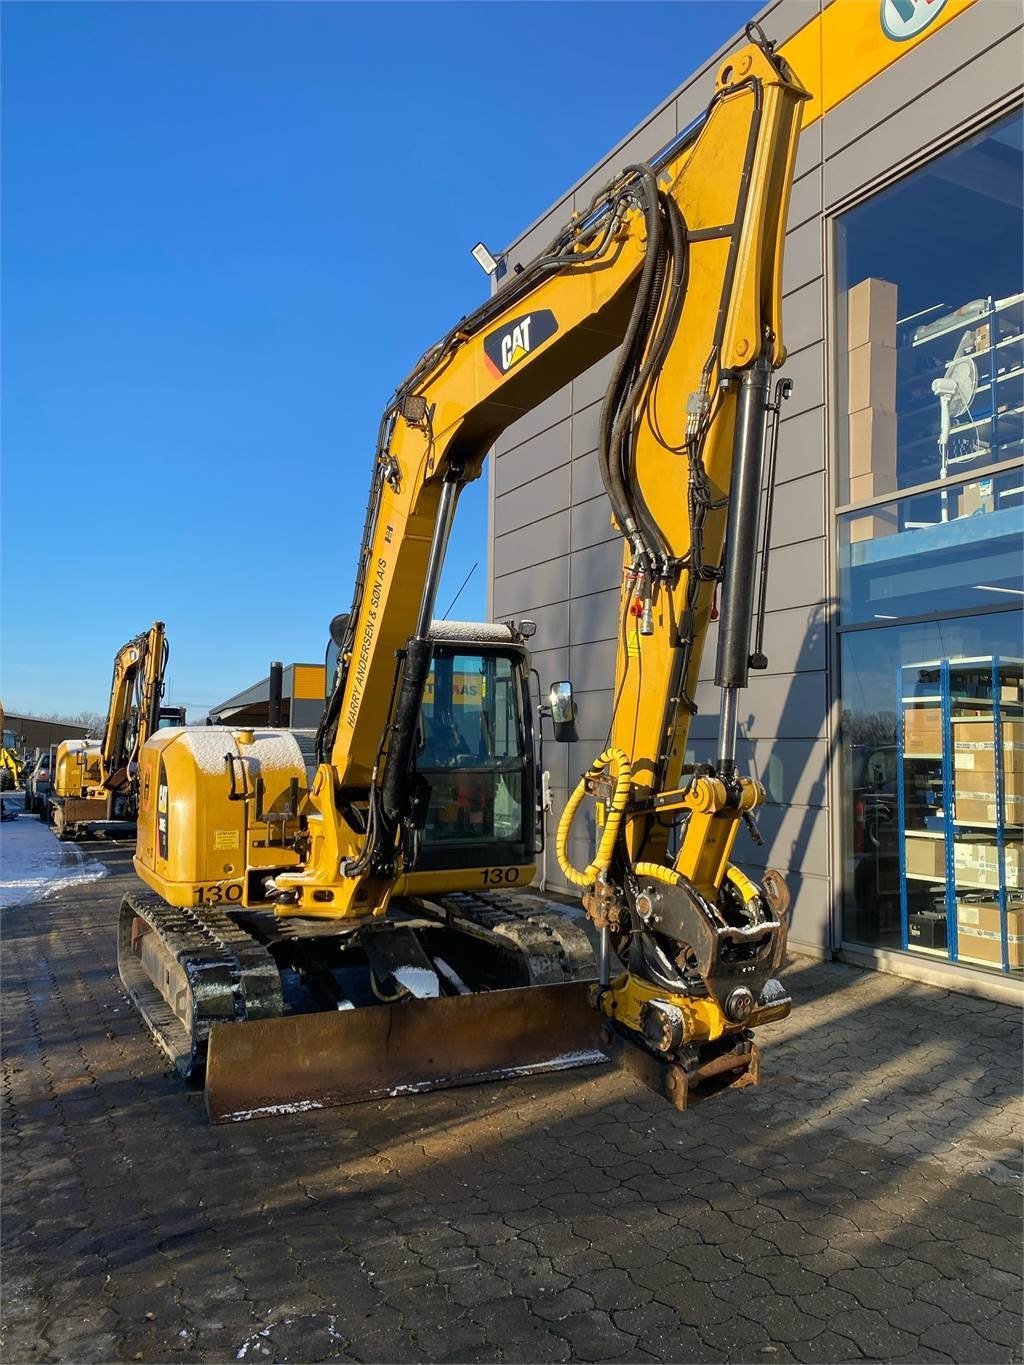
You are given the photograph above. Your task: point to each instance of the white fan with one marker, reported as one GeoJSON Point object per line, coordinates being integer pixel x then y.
{"type": "Point", "coordinates": [955, 392]}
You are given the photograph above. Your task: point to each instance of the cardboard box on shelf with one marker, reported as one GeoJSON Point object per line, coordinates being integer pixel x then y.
{"type": "Point", "coordinates": [979, 932]}
{"type": "Point", "coordinates": [982, 336]}
{"type": "Point", "coordinates": [865, 486]}
{"type": "Point", "coordinates": [871, 313]}
{"type": "Point", "coordinates": [924, 857]}
{"type": "Point", "coordinates": [984, 809]}
{"type": "Point", "coordinates": [977, 498]}
{"type": "Point", "coordinates": [1010, 692]}
{"type": "Point", "coordinates": [977, 864]}
{"type": "Point", "coordinates": [872, 443]}
{"type": "Point", "coordinates": [977, 785]}
{"type": "Point", "coordinates": [979, 755]}
{"type": "Point", "coordinates": [872, 377]}
{"type": "Point", "coordinates": [922, 729]}
{"type": "Point", "coordinates": [873, 525]}
{"type": "Point", "coordinates": [926, 930]}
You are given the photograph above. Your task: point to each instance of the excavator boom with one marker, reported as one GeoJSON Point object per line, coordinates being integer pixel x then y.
{"type": "Point", "coordinates": [95, 785]}
{"type": "Point", "coordinates": [386, 860]}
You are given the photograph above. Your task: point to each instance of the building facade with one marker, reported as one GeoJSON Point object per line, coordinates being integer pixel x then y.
{"type": "Point", "coordinates": [302, 700]}
{"type": "Point", "coordinates": [33, 736]}
{"type": "Point", "coordinates": [888, 728]}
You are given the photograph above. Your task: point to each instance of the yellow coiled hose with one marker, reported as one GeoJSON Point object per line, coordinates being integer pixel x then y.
{"type": "Point", "coordinates": [620, 769]}
{"type": "Point", "coordinates": [659, 873]}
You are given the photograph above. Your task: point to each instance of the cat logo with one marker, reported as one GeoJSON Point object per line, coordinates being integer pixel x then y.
{"type": "Point", "coordinates": [903, 19]}
{"type": "Point", "coordinates": [518, 338]}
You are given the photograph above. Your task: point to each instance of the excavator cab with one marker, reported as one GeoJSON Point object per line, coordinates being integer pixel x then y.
{"type": "Point", "coordinates": [473, 756]}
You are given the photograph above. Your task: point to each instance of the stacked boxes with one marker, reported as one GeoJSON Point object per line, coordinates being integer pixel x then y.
{"type": "Point", "coordinates": [925, 857]}
{"type": "Point", "coordinates": [979, 934]}
{"type": "Point", "coordinates": [974, 795]}
{"type": "Point", "coordinates": [922, 730]}
{"type": "Point", "coordinates": [871, 402]}
{"type": "Point", "coordinates": [977, 864]}
{"type": "Point", "coordinates": [974, 773]}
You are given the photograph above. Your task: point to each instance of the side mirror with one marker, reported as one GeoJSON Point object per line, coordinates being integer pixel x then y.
{"type": "Point", "coordinates": [563, 712]}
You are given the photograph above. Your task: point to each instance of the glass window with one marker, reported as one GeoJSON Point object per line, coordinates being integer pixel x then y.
{"type": "Point", "coordinates": [958, 548]}
{"type": "Point", "coordinates": [470, 749]}
{"type": "Point", "coordinates": [933, 788]}
{"type": "Point", "coordinates": [931, 314]}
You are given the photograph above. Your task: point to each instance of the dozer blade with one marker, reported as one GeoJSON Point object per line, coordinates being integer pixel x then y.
{"type": "Point", "coordinates": [314, 1061]}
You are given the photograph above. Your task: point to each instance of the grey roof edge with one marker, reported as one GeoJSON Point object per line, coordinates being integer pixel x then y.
{"type": "Point", "coordinates": [255, 691]}
{"type": "Point", "coordinates": [690, 81]}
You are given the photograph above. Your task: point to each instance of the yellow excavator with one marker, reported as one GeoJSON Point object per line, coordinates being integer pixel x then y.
{"type": "Point", "coordinates": [95, 781]}
{"type": "Point", "coordinates": [368, 928]}
{"type": "Point", "coordinates": [11, 766]}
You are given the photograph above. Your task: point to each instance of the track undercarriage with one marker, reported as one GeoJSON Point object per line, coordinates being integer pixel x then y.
{"type": "Point", "coordinates": [280, 1014]}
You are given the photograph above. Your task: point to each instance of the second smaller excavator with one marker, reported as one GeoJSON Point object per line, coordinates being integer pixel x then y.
{"type": "Point", "coordinates": [11, 767]}
{"type": "Point", "coordinates": [95, 782]}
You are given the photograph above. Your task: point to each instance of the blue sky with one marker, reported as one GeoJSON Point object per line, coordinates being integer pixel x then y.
{"type": "Point", "coordinates": [228, 231]}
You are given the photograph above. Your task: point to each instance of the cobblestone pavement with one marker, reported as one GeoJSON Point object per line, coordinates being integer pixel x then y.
{"type": "Point", "coordinates": [861, 1204]}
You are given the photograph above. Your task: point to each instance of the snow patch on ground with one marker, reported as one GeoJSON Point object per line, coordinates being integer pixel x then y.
{"type": "Point", "coordinates": [34, 865]}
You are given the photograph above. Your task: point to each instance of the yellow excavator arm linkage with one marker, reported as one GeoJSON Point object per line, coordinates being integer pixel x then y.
{"type": "Point", "coordinates": [724, 193]}
{"type": "Point", "coordinates": [137, 684]}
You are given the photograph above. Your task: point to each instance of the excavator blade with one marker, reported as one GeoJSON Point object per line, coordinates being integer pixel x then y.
{"type": "Point", "coordinates": [314, 1061]}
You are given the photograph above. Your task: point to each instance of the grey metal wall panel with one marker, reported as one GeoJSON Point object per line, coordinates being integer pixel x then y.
{"type": "Point", "coordinates": [795, 642]}
{"type": "Point", "coordinates": [536, 586]}
{"type": "Point", "coordinates": [795, 838]}
{"type": "Point", "coordinates": [803, 316]}
{"type": "Point", "coordinates": [801, 442]}
{"type": "Point", "coordinates": [802, 258]}
{"type": "Point", "coordinates": [806, 368]}
{"type": "Point", "coordinates": [594, 713]}
{"type": "Point", "coordinates": [591, 522]}
{"type": "Point", "coordinates": [808, 152]}
{"type": "Point", "coordinates": [805, 199]}
{"type": "Point", "coordinates": [797, 575]}
{"type": "Point", "coordinates": [939, 111]}
{"type": "Point", "coordinates": [552, 624]}
{"type": "Point", "coordinates": [551, 664]}
{"type": "Point", "coordinates": [596, 569]}
{"type": "Point", "coordinates": [546, 494]}
{"type": "Point", "coordinates": [799, 511]}
{"type": "Point", "coordinates": [782, 707]}
{"type": "Point", "coordinates": [593, 663]}
{"type": "Point", "coordinates": [809, 915]}
{"type": "Point", "coordinates": [924, 69]}
{"type": "Point", "coordinates": [534, 458]}
{"type": "Point", "coordinates": [589, 387]}
{"type": "Point", "coordinates": [792, 771]}
{"type": "Point", "coordinates": [584, 425]}
{"type": "Point", "coordinates": [553, 410]}
{"type": "Point", "coordinates": [586, 478]}
{"type": "Point", "coordinates": [595, 617]}
{"type": "Point", "coordinates": [531, 544]}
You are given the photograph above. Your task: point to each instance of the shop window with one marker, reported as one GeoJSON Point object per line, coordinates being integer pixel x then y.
{"type": "Point", "coordinates": [957, 548]}
{"type": "Point", "coordinates": [933, 789]}
{"type": "Point", "coordinates": [931, 326]}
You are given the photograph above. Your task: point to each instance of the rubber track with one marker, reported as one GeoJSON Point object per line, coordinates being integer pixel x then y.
{"type": "Point", "coordinates": [230, 976]}
{"type": "Point", "coordinates": [555, 949]}
{"type": "Point", "coordinates": [233, 977]}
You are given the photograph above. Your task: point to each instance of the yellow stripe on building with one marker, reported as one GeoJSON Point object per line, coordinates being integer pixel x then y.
{"type": "Point", "coordinates": [847, 44]}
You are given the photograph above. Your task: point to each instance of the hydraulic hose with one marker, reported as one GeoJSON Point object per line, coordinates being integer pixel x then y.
{"type": "Point", "coordinates": [619, 766]}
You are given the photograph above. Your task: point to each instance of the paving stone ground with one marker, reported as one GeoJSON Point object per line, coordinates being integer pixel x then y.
{"type": "Point", "coordinates": [861, 1204]}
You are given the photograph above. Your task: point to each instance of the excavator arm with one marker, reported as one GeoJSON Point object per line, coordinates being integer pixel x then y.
{"type": "Point", "coordinates": [678, 265]}
{"type": "Point", "coordinates": [288, 980]}
{"type": "Point", "coordinates": [134, 709]}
